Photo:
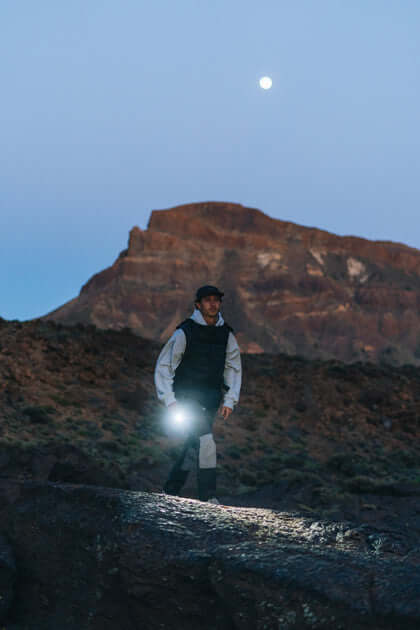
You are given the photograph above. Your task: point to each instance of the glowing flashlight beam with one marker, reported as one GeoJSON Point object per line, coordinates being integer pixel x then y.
{"type": "Point", "coordinates": [179, 417]}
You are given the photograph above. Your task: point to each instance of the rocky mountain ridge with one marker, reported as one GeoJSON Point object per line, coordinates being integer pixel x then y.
{"type": "Point", "coordinates": [288, 288]}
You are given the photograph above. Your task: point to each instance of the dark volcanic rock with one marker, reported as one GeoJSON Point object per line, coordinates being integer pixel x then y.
{"type": "Point", "coordinates": [100, 558]}
{"type": "Point", "coordinates": [288, 288]}
{"type": "Point", "coordinates": [7, 576]}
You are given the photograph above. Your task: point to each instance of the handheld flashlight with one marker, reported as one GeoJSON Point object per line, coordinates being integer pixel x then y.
{"type": "Point", "coordinates": [179, 417]}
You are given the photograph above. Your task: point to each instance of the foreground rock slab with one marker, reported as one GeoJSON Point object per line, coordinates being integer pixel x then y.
{"type": "Point", "coordinates": [104, 558]}
{"type": "Point", "coordinates": [7, 576]}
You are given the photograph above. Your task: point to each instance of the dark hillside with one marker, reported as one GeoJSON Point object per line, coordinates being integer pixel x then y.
{"type": "Point", "coordinates": [77, 404]}
{"type": "Point", "coordinates": [319, 480]}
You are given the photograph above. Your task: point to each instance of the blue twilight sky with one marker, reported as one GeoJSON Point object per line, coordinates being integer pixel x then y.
{"type": "Point", "coordinates": [110, 109]}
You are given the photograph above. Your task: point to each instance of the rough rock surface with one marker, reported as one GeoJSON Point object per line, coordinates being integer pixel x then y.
{"type": "Point", "coordinates": [289, 288]}
{"type": "Point", "coordinates": [330, 452]}
{"type": "Point", "coordinates": [7, 576]}
{"type": "Point", "coordinates": [100, 558]}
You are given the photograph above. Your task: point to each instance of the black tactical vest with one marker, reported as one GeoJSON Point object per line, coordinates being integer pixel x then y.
{"type": "Point", "coordinates": [199, 376]}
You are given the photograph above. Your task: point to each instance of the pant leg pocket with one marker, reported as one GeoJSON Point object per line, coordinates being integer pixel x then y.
{"type": "Point", "coordinates": [207, 452]}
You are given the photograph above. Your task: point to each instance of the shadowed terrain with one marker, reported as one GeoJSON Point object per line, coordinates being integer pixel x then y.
{"type": "Point", "coordinates": [92, 557]}
{"type": "Point", "coordinates": [318, 475]}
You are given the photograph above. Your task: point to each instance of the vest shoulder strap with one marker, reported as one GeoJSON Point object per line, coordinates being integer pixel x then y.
{"type": "Point", "coordinates": [185, 323]}
{"type": "Point", "coordinates": [229, 327]}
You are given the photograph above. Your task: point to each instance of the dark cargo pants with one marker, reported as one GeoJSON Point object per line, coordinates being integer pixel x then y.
{"type": "Point", "coordinates": [199, 452]}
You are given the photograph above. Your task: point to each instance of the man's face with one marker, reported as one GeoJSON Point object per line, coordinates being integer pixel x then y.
{"type": "Point", "coordinates": [209, 306]}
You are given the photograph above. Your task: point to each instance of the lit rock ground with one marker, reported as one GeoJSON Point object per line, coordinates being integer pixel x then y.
{"type": "Point", "coordinates": [131, 560]}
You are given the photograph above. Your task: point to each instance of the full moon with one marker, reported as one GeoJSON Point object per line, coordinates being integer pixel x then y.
{"type": "Point", "coordinates": [266, 83]}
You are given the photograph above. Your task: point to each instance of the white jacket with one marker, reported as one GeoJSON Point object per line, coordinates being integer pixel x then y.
{"type": "Point", "coordinates": [172, 353]}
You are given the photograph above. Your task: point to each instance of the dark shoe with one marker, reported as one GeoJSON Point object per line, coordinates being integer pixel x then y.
{"type": "Point", "coordinates": [171, 489]}
{"type": "Point", "coordinates": [176, 481]}
{"type": "Point", "coordinates": [171, 493]}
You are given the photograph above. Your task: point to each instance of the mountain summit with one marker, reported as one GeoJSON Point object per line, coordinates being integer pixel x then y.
{"type": "Point", "coordinates": [288, 288]}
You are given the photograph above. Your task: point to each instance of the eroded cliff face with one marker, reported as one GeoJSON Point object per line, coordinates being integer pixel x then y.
{"type": "Point", "coordinates": [288, 288]}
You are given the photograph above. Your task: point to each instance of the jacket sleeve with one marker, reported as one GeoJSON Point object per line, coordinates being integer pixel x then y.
{"type": "Point", "coordinates": [166, 364]}
{"type": "Point", "coordinates": [233, 372]}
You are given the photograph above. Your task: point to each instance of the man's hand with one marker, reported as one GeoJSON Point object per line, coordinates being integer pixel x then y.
{"type": "Point", "coordinates": [225, 412]}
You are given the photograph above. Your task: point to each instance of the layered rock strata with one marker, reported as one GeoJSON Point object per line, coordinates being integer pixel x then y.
{"type": "Point", "coordinates": [289, 288]}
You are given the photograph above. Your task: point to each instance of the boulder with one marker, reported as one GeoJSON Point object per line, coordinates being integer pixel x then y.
{"type": "Point", "coordinates": [7, 577]}
{"type": "Point", "coordinates": [102, 558]}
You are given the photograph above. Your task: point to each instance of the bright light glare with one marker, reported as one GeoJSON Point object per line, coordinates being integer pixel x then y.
{"type": "Point", "coordinates": [266, 83]}
{"type": "Point", "coordinates": [179, 417]}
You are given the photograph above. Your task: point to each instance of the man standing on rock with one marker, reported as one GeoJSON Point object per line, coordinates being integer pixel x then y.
{"type": "Point", "coordinates": [201, 359]}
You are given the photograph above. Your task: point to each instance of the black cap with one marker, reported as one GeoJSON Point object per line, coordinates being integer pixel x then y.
{"type": "Point", "coordinates": [207, 290]}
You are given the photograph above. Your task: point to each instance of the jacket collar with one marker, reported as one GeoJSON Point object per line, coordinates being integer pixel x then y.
{"type": "Point", "coordinates": [199, 319]}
